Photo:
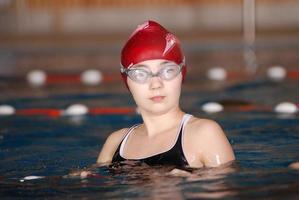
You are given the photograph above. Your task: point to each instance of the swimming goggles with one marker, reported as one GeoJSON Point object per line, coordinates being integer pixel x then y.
{"type": "Point", "coordinates": [142, 75]}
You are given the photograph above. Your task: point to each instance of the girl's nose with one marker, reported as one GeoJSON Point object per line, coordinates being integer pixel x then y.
{"type": "Point", "coordinates": [155, 83]}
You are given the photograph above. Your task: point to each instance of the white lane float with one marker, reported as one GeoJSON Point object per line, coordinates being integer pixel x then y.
{"type": "Point", "coordinates": [212, 107]}
{"type": "Point", "coordinates": [36, 78]}
{"type": "Point", "coordinates": [286, 108]}
{"type": "Point", "coordinates": [76, 110]}
{"type": "Point", "coordinates": [7, 110]}
{"type": "Point", "coordinates": [29, 178]}
{"type": "Point", "coordinates": [277, 73]}
{"type": "Point", "coordinates": [91, 77]}
{"type": "Point", "coordinates": [217, 74]}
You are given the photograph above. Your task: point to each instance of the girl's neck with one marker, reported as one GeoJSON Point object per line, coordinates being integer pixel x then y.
{"type": "Point", "coordinates": [155, 124]}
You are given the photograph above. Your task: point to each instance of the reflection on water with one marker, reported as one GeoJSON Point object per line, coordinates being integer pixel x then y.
{"type": "Point", "coordinates": [137, 179]}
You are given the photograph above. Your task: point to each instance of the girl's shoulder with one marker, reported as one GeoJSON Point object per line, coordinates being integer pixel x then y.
{"type": "Point", "coordinates": [207, 138]}
{"type": "Point", "coordinates": [118, 135]}
{"type": "Point", "coordinates": [198, 124]}
{"type": "Point", "coordinates": [110, 145]}
{"type": "Point", "coordinates": [201, 129]}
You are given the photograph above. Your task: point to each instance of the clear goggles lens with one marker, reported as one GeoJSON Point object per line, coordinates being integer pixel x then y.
{"type": "Point", "coordinates": [142, 75]}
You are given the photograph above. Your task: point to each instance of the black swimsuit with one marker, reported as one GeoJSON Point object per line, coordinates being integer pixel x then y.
{"type": "Point", "coordinates": [174, 156]}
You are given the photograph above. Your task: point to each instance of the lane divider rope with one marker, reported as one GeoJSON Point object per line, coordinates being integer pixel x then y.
{"type": "Point", "coordinates": [208, 107]}
{"type": "Point", "coordinates": [93, 77]}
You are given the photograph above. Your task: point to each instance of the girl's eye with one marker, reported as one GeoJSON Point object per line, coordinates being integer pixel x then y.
{"type": "Point", "coordinates": [169, 72]}
{"type": "Point", "coordinates": [170, 69]}
{"type": "Point", "coordinates": [138, 74]}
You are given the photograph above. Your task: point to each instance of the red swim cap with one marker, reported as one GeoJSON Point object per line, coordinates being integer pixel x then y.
{"type": "Point", "coordinates": [151, 41]}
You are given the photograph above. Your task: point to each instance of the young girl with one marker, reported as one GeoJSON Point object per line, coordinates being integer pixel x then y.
{"type": "Point", "coordinates": [153, 69]}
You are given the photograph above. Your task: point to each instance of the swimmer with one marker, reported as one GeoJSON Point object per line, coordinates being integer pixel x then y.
{"type": "Point", "coordinates": [153, 69]}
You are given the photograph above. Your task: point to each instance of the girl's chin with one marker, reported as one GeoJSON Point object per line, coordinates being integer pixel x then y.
{"type": "Point", "coordinates": [156, 110]}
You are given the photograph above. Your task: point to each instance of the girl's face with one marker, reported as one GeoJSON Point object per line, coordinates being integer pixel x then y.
{"type": "Point", "coordinates": [155, 95]}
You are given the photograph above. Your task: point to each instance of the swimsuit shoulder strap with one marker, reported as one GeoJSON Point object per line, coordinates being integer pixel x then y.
{"type": "Point", "coordinates": [123, 142]}
{"type": "Point", "coordinates": [182, 131]}
{"type": "Point", "coordinates": [185, 119]}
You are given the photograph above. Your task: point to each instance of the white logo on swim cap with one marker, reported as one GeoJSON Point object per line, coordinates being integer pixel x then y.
{"type": "Point", "coordinates": [170, 41]}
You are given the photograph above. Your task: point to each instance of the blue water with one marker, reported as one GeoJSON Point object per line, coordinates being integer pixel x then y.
{"type": "Point", "coordinates": [265, 143]}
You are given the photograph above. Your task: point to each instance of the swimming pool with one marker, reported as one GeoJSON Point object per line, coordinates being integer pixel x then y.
{"type": "Point", "coordinates": [265, 143]}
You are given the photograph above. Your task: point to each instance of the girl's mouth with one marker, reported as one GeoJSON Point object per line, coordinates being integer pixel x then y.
{"type": "Point", "coordinates": [157, 98]}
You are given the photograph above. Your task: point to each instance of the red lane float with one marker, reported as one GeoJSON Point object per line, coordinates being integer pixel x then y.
{"type": "Point", "coordinates": [91, 77]}
{"type": "Point", "coordinates": [249, 108]}
{"type": "Point", "coordinates": [62, 78]}
{"type": "Point", "coordinates": [101, 111]}
{"type": "Point", "coordinates": [243, 106]}
{"type": "Point", "coordinates": [293, 74]}
{"type": "Point", "coordinates": [75, 78]}
{"type": "Point", "coordinates": [40, 111]}
{"type": "Point", "coordinates": [52, 112]}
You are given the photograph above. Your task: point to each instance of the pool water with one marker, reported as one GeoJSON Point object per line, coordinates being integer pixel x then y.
{"type": "Point", "coordinates": [265, 143]}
